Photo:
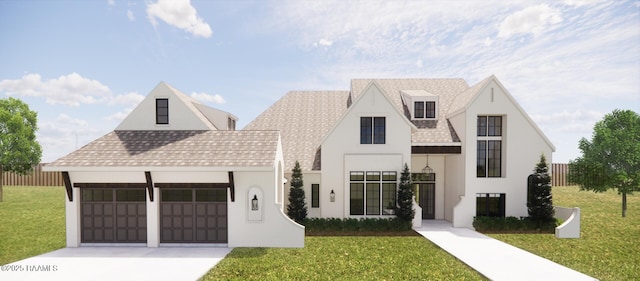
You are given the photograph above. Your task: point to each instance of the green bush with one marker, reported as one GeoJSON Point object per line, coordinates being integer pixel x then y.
{"type": "Point", "coordinates": [356, 225]}
{"type": "Point", "coordinates": [512, 224]}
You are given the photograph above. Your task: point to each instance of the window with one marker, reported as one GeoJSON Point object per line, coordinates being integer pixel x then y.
{"type": "Point", "coordinates": [372, 130]}
{"type": "Point", "coordinates": [162, 111]}
{"type": "Point", "coordinates": [489, 147]}
{"type": "Point", "coordinates": [424, 109]}
{"type": "Point", "coordinates": [373, 193]}
{"type": "Point", "coordinates": [231, 124]}
{"type": "Point", "coordinates": [211, 195]}
{"type": "Point", "coordinates": [418, 109]}
{"type": "Point", "coordinates": [315, 195]}
{"type": "Point", "coordinates": [490, 204]}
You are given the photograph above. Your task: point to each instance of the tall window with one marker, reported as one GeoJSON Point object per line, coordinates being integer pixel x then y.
{"type": "Point", "coordinates": [373, 193]}
{"type": "Point", "coordinates": [489, 146]}
{"type": "Point", "coordinates": [490, 204]}
{"type": "Point", "coordinates": [162, 111]}
{"type": "Point", "coordinates": [372, 130]}
{"type": "Point", "coordinates": [315, 195]}
{"type": "Point", "coordinates": [424, 109]}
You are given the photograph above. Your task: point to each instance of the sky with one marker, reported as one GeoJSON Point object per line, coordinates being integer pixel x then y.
{"type": "Point", "coordinates": [84, 65]}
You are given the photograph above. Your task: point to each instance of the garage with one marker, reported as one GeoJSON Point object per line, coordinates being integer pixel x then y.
{"type": "Point", "coordinates": [113, 213]}
{"type": "Point", "coordinates": [193, 213]}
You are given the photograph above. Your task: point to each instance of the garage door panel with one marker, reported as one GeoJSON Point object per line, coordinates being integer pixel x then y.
{"type": "Point", "coordinates": [193, 215]}
{"type": "Point", "coordinates": [111, 215]}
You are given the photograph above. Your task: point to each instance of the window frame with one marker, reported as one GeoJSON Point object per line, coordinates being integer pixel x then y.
{"type": "Point", "coordinates": [373, 130]}
{"type": "Point", "coordinates": [489, 146]}
{"type": "Point", "coordinates": [486, 200]}
{"type": "Point", "coordinates": [159, 114]}
{"type": "Point", "coordinates": [371, 191]}
{"type": "Point", "coordinates": [315, 195]}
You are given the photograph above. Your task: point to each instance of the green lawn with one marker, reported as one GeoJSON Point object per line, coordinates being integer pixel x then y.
{"type": "Point", "coordinates": [609, 246]}
{"type": "Point", "coordinates": [345, 258]}
{"type": "Point", "coordinates": [31, 222]}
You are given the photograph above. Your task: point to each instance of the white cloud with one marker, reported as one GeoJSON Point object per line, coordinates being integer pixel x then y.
{"type": "Point", "coordinates": [71, 89]}
{"type": "Point", "coordinates": [419, 63]}
{"type": "Point", "coordinates": [119, 116]}
{"type": "Point", "coordinates": [66, 119]}
{"type": "Point", "coordinates": [208, 98]}
{"type": "Point", "coordinates": [132, 98]}
{"type": "Point", "coordinates": [130, 15]}
{"type": "Point", "coordinates": [533, 20]}
{"type": "Point", "coordinates": [111, 2]}
{"type": "Point", "coordinates": [179, 13]}
{"type": "Point", "coordinates": [578, 121]}
{"type": "Point", "coordinates": [325, 42]}
{"type": "Point", "coordinates": [579, 3]}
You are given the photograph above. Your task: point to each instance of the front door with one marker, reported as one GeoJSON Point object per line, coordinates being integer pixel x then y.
{"type": "Point", "coordinates": [427, 200]}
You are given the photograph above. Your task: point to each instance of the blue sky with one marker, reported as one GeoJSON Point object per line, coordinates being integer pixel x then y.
{"type": "Point", "coordinates": [83, 65]}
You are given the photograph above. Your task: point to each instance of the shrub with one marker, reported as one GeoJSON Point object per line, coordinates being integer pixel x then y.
{"type": "Point", "coordinates": [297, 209]}
{"type": "Point", "coordinates": [513, 224]}
{"type": "Point", "coordinates": [405, 196]}
{"type": "Point", "coordinates": [356, 225]}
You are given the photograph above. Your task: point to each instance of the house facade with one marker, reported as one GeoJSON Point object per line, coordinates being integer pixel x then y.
{"type": "Point", "coordinates": [177, 172]}
{"type": "Point", "coordinates": [469, 148]}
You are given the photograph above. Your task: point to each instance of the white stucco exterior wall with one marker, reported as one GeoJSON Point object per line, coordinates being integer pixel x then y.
{"type": "Point", "coordinates": [274, 230]}
{"type": "Point", "coordinates": [522, 145]}
{"type": "Point", "coordinates": [342, 151]}
{"type": "Point", "coordinates": [181, 117]}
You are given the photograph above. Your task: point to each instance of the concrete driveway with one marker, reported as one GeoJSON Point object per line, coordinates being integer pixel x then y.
{"type": "Point", "coordinates": [117, 263]}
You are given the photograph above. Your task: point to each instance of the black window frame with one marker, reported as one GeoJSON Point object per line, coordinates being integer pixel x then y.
{"type": "Point", "coordinates": [430, 109]}
{"type": "Point", "coordinates": [315, 195]}
{"type": "Point", "coordinates": [373, 193]}
{"type": "Point", "coordinates": [489, 149]}
{"type": "Point", "coordinates": [491, 204]}
{"type": "Point", "coordinates": [373, 130]}
{"type": "Point", "coordinates": [162, 111]}
{"type": "Point", "coordinates": [418, 110]}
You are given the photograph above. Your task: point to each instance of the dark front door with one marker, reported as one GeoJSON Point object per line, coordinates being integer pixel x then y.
{"type": "Point", "coordinates": [427, 200]}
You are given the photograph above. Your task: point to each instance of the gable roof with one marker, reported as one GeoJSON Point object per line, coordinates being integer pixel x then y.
{"type": "Point", "coordinates": [303, 118]}
{"type": "Point", "coordinates": [437, 131]}
{"type": "Point", "coordinates": [209, 118]}
{"type": "Point", "coordinates": [175, 149]}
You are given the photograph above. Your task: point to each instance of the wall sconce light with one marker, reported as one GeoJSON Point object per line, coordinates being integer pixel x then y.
{"type": "Point", "coordinates": [332, 196]}
{"type": "Point", "coordinates": [254, 203]}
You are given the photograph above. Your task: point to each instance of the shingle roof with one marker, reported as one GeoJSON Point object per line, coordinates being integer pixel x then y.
{"type": "Point", "coordinates": [176, 149]}
{"type": "Point", "coordinates": [303, 119]}
{"type": "Point", "coordinates": [429, 131]}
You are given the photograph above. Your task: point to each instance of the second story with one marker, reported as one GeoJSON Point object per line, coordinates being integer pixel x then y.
{"type": "Point", "coordinates": [166, 108]}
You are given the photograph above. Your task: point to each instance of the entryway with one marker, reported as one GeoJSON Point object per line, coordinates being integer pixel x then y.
{"type": "Point", "coordinates": [427, 199]}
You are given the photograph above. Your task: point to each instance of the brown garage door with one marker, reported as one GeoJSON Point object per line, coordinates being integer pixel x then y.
{"type": "Point", "coordinates": [113, 215]}
{"type": "Point", "coordinates": [193, 215]}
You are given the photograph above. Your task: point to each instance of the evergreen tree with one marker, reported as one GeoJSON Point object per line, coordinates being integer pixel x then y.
{"type": "Point", "coordinates": [405, 196]}
{"type": "Point", "coordinates": [539, 199]}
{"type": "Point", "coordinates": [297, 209]}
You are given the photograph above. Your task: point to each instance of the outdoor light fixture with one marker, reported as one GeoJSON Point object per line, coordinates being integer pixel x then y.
{"type": "Point", "coordinates": [332, 196]}
{"type": "Point", "coordinates": [427, 170]}
{"type": "Point", "coordinates": [254, 203]}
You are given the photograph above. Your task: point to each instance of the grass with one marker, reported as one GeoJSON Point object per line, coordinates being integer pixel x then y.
{"type": "Point", "coordinates": [345, 258]}
{"type": "Point", "coordinates": [31, 222]}
{"type": "Point", "coordinates": [609, 246]}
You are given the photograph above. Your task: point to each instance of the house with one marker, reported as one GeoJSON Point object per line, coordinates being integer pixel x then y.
{"type": "Point", "coordinates": [177, 172]}
{"type": "Point", "coordinates": [469, 148]}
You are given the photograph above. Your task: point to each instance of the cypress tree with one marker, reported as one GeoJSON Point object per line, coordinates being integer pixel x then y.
{"type": "Point", "coordinates": [405, 196]}
{"type": "Point", "coordinates": [297, 209]}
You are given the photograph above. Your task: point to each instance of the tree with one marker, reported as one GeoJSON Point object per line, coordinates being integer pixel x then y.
{"type": "Point", "coordinates": [405, 196]}
{"type": "Point", "coordinates": [611, 160]}
{"type": "Point", "coordinates": [19, 149]}
{"type": "Point", "coordinates": [539, 200]}
{"type": "Point", "coordinates": [297, 209]}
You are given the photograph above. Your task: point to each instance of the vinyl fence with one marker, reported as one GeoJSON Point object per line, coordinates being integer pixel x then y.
{"type": "Point", "coordinates": [36, 178]}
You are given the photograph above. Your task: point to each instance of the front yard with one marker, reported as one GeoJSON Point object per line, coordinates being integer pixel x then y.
{"type": "Point", "coordinates": [32, 223]}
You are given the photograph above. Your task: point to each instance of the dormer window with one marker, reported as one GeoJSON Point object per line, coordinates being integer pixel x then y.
{"type": "Point", "coordinates": [421, 104]}
{"type": "Point", "coordinates": [424, 109]}
{"type": "Point", "coordinates": [162, 111]}
{"type": "Point", "coordinates": [231, 124]}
